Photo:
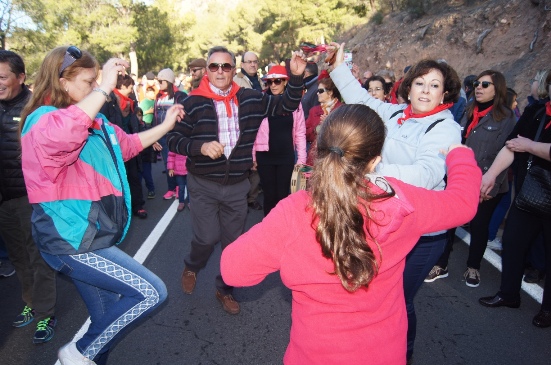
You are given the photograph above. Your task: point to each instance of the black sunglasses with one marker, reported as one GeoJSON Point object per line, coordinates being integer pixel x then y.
{"type": "Point", "coordinates": [321, 91]}
{"type": "Point", "coordinates": [484, 84]}
{"type": "Point", "coordinates": [226, 67]}
{"type": "Point", "coordinates": [275, 82]}
{"type": "Point", "coordinates": [71, 55]}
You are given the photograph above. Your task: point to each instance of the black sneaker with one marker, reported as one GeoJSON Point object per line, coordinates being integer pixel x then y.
{"type": "Point", "coordinates": [44, 330]}
{"type": "Point", "coordinates": [472, 277]}
{"type": "Point", "coordinates": [436, 273]}
{"type": "Point", "coordinates": [151, 195]}
{"type": "Point", "coordinates": [23, 319]}
{"type": "Point", "coordinates": [533, 276]}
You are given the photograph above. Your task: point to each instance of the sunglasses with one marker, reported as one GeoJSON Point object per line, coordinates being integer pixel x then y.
{"type": "Point", "coordinates": [321, 91]}
{"type": "Point", "coordinates": [275, 82]}
{"type": "Point", "coordinates": [226, 67]}
{"type": "Point", "coordinates": [71, 55]}
{"type": "Point", "coordinates": [484, 84]}
{"type": "Point", "coordinates": [194, 70]}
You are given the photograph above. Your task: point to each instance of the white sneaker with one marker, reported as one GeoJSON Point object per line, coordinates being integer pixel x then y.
{"type": "Point", "coordinates": [69, 355]}
{"type": "Point", "coordinates": [495, 244]}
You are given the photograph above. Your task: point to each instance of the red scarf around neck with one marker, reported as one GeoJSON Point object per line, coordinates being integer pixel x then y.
{"type": "Point", "coordinates": [204, 90]}
{"type": "Point", "coordinates": [408, 113]}
{"type": "Point", "coordinates": [124, 100]}
{"type": "Point", "coordinates": [476, 118]}
{"type": "Point", "coordinates": [548, 113]}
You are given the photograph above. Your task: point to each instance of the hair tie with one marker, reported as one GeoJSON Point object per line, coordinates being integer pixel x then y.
{"type": "Point", "coordinates": [337, 150]}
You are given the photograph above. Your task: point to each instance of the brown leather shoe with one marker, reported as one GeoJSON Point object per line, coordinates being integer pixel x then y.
{"type": "Point", "coordinates": [229, 304]}
{"type": "Point", "coordinates": [189, 278]}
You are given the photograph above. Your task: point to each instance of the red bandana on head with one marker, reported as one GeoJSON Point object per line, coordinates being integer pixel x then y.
{"type": "Point", "coordinates": [408, 113]}
{"type": "Point", "coordinates": [204, 90]}
{"type": "Point", "coordinates": [476, 118]}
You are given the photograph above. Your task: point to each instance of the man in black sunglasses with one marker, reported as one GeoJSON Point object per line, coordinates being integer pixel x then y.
{"type": "Point", "coordinates": [217, 135]}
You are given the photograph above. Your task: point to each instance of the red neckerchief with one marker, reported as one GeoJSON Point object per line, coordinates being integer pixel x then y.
{"type": "Point", "coordinates": [548, 113]}
{"type": "Point", "coordinates": [124, 100]}
{"type": "Point", "coordinates": [476, 118]}
{"type": "Point", "coordinates": [204, 90]}
{"type": "Point", "coordinates": [409, 114]}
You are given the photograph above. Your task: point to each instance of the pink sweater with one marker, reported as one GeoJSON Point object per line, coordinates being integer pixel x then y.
{"type": "Point", "coordinates": [329, 324]}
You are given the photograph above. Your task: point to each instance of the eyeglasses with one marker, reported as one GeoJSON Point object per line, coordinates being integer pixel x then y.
{"type": "Point", "coordinates": [255, 62]}
{"type": "Point", "coordinates": [374, 89]}
{"type": "Point", "coordinates": [321, 91]}
{"type": "Point", "coordinates": [71, 55]}
{"type": "Point", "coordinates": [484, 84]}
{"type": "Point", "coordinates": [194, 70]}
{"type": "Point", "coordinates": [275, 82]}
{"type": "Point", "coordinates": [226, 67]}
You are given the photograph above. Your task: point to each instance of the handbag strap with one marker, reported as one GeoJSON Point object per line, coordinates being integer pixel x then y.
{"type": "Point", "coordinates": [538, 133]}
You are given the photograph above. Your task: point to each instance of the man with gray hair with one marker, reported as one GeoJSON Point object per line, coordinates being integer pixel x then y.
{"type": "Point", "coordinates": [217, 135]}
{"type": "Point", "coordinates": [248, 76]}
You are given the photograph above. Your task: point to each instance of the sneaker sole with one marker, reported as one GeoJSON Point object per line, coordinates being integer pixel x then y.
{"type": "Point", "coordinates": [472, 285]}
{"type": "Point", "coordinates": [39, 341]}
{"type": "Point", "coordinates": [7, 275]}
{"type": "Point", "coordinates": [436, 278]}
{"type": "Point", "coordinates": [22, 324]}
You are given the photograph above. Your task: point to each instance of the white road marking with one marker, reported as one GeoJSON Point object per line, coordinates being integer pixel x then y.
{"type": "Point", "coordinates": [141, 255]}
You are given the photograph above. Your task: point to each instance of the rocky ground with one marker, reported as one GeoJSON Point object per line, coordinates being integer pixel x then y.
{"type": "Point", "coordinates": [511, 36]}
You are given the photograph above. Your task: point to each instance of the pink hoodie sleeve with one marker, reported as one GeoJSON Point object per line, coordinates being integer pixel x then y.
{"type": "Point", "coordinates": [131, 145]}
{"type": "Point", "coordinates": [58, 139]}
{"type": "Point", "coordinates": [299, 135]}
{"type": "Point", "coordinates": [170, 160]}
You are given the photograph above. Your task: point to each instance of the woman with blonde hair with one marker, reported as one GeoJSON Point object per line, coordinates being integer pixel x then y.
{"type": "Point", "coordinates": [343, 247]}
{"type": "Point", "coordinates": [73, 162]}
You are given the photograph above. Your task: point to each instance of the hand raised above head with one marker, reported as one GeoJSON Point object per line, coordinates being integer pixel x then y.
{"type": "Point", "coordinates": [335, 54]}
{"type": "Point", "coordinates": [298, 63]}
{"type": "Point", "coordinates": [110, 72]}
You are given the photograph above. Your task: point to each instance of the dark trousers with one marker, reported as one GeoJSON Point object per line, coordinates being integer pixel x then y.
{"type": "Point", "coordinates": [147, 176]}
{"type": "Point", "coordinates": [38, 284]}
{"type": "Point", "coordinates": [276, 183]}
{"type": "Point", "coordinates": [181, 182]}
{"type": "Point", "coordinates": [419, 262]}
{"type": "Point", "coordinates": [218, 215]}
{"type": "Point", "coordinates": [479, 227]}
{"type": "Point", "coordinates": [521, 230]}
{"type": "Point", "coordinates": [254, 190]}
{"type": "Point", "coordinates": [133, 176]}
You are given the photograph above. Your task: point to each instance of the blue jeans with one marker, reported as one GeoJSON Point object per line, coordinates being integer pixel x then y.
{"type": "Point", "coordinates": [147, 176]}
{"type": "Point", "coordinates": [419, 263]}
{"type": "Point", "coordinates": [116, 289]}
{"type": "Point", "coordinates": [170, 181]}
{"type": "Point", "coordinates": [181, 181]}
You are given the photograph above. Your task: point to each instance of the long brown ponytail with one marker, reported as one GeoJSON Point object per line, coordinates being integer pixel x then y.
{"type": "Point", "coordinates": [351, 137]}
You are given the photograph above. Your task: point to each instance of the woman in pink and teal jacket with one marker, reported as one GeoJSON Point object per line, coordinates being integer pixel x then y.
{"type": "Point", "coordinates": [278, 138]}
{"type": "Point", "coordinates": [73, 163]}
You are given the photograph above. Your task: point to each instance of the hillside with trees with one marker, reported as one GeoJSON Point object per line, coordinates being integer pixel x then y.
{"type": "Point", "coordinates": [472, 35]}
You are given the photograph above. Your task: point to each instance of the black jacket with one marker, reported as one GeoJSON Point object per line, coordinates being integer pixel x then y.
{"type": "Point", "coordinates": [12, 183]}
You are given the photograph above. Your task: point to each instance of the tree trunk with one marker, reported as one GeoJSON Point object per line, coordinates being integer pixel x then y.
{"type": "Point", "coordinates": [133, 60]}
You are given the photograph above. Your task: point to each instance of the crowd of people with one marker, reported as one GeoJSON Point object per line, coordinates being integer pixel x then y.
{"type": "Point", "coordinates": [389, 156]}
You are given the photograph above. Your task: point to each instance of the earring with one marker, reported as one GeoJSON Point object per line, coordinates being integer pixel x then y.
{"type": "Point", "coordinates": [66, 90]}
{"type": "Point", "coordinates": [442, 102]}
{"type": "Point", "coordinates": [409, 97]}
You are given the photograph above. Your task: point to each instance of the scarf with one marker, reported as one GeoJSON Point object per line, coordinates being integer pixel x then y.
{"type": "Point", "coordinates": [204, 90]}
{"type": "Point", "coordinates": [476, 118]}
{"type": "Point", "coordinates": [328, 106]}
{"type": "Point", "coordinates": [253, 79]}
{"type": "Point", "coordinates": [124, 101]}
{"type": "Point", "coordinates": [408, 113]}
{"type": "Point", "coordinates": [548, 113]}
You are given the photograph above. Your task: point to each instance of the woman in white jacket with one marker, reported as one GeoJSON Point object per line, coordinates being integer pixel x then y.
{"type": "Point", "coordinates": [416, 133]}
{"type": "Point", "coordinates": [276, 142]}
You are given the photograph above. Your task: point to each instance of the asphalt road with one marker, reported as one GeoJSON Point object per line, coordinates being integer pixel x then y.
{"type": "Point", "coordinates": [193, 329]}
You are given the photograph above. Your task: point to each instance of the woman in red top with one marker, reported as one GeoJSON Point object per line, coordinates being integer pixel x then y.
{"type": "Point", "coordinates": [341, 246]}
{"type": "Point", "coordinates": [329, 98]}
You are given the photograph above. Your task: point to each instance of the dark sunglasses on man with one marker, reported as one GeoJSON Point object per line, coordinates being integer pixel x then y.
{"type": "Point", "coordinates": [274, 81]}
{"type": "Point", "coordinates": [71, 55]}
{"type": "Point", "coordinates": [226, 67]}
{"type": "Point", "coordinates": [484, 84]}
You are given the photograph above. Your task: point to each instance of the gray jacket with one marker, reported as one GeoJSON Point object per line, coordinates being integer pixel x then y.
{"type": "Point", "coordinates": [486, 139]}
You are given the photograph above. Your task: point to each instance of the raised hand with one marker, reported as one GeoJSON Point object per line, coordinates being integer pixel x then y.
{"type": "Point", "coordinates": [110, 73]}
{"type": "Point", "coordinates": [298, 63]}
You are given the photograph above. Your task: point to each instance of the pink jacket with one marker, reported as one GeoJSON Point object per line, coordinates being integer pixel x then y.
{"type": "Point", "coordinates": [177, 163]}
{"type": "Point", "coordinates": [329, 324]}
{"type": "Point", "coordinates": [299, 136]}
